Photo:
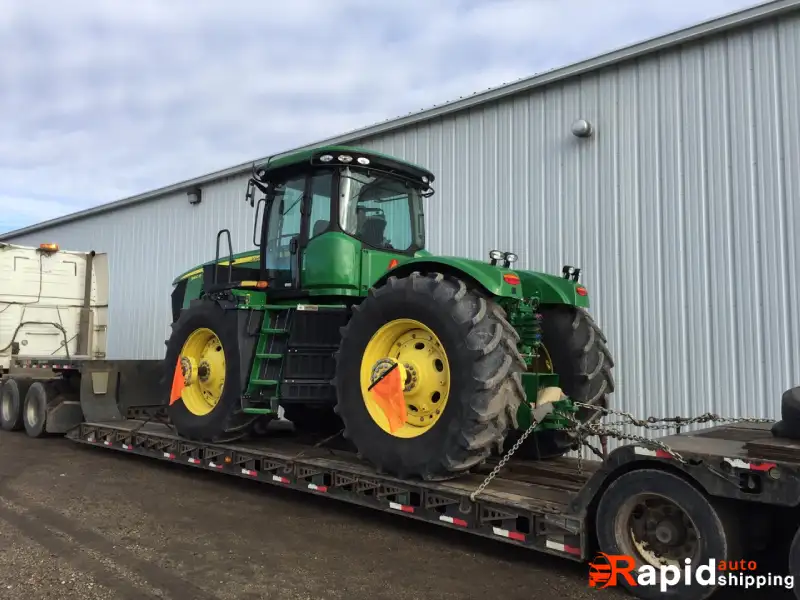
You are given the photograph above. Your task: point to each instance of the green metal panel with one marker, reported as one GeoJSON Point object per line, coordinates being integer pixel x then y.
{"type": "Point", "coordinates": [193, 287]}
{"type": "Point", "coordinates": [552, 289]}
{"type": "Point", "coordinates": [375, 264]}
{"type": "Point", "coordinates": [331, 265]}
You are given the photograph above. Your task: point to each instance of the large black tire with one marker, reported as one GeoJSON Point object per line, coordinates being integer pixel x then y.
{"type": "Point", "coordinates": [12, 398]}
{"type": "Point", "coordinates": [485, 390]}
{"type": "Point", "coordinates": [583, 363]}
{"type": "Point", "coordinates": [713, 535]}
{"type": "Point", "coordinates": [39, 398]}
{"type": "Point", "coordinates": [226, 421]}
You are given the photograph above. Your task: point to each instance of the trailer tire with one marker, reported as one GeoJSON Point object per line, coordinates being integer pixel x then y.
{"type": "Point", "coordinates": [226, 421]}
{"type": "Point", "coordinates": [12, 398]}
{"type": "Point", "coordinates": [34, 416]}
{"type": "Point", "coordinates": [715, 536]}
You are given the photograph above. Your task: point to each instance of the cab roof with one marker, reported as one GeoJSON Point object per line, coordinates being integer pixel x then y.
{"type": "Point", "coordinates": [378, 158]}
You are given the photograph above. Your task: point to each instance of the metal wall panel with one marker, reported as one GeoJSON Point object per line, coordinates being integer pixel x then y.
{"type": "Point", "coordinates": [148, 245]}
{"type": "Point", "coordinates": [680, 210]}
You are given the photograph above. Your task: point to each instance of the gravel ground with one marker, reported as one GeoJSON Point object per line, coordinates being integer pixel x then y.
{"type": "Point", "coordinates": [83, 523]}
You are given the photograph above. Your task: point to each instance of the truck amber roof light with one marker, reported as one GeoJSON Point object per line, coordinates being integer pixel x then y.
{"type": "Point", "coordinates": [49, 247]}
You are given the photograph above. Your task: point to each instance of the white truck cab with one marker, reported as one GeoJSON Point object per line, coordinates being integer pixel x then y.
{"type": "Point", "coordinates": [53, 304]}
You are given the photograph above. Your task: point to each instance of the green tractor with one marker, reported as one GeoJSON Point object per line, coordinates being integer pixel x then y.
{"type": "Point", "coordinates": [340, 315]}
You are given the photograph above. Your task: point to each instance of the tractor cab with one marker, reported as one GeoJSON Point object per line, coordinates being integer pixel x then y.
{"type": "Point", "coordinates": [328, 214]}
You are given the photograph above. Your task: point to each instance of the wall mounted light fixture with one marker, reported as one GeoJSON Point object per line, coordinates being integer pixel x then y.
{"type": "Point", "coordinates": [195, 195]}
{"type": "Point", "coordinates": [582, 128]}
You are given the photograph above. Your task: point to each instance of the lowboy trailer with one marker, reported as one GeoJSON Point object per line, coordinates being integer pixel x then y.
{"type": "Point", "coordinates": [712, 494]}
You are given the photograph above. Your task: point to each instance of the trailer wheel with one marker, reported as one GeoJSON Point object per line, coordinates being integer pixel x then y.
{"type": "Point", "coordinates": [34, 415]}
{"type": "Point", "coordinates": [12, 396]}
{"type": "Point", "coordinates": [658, 518]}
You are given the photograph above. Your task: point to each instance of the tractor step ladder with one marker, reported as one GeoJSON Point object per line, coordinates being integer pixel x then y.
{"type": "Point", "coordinates": [264, 356]}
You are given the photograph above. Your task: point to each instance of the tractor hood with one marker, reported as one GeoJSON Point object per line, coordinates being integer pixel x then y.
{"type": "Point", "coordinates": [249, 258]}
{"type": "Point", "coordinates": [499, 281]}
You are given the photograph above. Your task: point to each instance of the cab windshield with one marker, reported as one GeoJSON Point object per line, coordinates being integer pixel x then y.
{"type": "Point", "coordinates": [382, 211]}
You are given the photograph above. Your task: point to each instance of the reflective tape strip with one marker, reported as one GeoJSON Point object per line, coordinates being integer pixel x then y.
{"type": "Point", "coordinates": [401, 507]}
{"type": "Point", "coordinates": [738, 463]}
{"type": "Point", "coordinates": [512, 535]}
{"type": "Point", "coordinates": [560, 547]}
{"type": "Point", "coordinates": [453, 520]}
{"type": "Point", "coordinates": [650, 452]}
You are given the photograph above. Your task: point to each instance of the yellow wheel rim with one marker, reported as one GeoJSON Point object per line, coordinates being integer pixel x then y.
{"type": "Point", "coordinates": [425, 369]}
{"type": "Point", "coordinates": [203, 366]}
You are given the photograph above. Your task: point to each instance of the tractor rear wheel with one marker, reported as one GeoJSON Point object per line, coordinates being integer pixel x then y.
{"type": "Point", "coordinates": [460, 376]}
{"type": "Point", "coordinates": [576, 351]}
{"type": "Point", "coordinates": [204, 345]}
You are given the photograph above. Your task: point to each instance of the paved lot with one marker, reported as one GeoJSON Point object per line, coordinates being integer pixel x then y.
{"type": "Point", "coordinates": [83, 523]}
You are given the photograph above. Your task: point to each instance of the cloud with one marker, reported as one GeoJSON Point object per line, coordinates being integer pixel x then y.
{"type": "Point", "coordinates": [105, 99]}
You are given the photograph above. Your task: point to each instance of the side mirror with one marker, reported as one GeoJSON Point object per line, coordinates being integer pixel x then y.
{"type": "Point", "coordinates": [250, 196]}
{"type": "Point", "coordinates": [257, 222]}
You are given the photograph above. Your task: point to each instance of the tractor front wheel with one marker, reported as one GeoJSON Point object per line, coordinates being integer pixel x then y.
{"type": "Point", "coordinates": [204, 347]}
{"type": "Point", "coordinates": [459, 368]}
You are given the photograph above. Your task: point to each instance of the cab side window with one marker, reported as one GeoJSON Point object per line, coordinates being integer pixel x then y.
{"type": "Point", "coordinates": [320, 213]}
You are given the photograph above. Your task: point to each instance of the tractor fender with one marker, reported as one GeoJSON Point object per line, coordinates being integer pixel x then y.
{"type": "Point", "coordinates": [496, 281]}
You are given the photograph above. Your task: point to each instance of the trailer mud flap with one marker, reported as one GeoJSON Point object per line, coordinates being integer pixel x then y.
{"type": "Point", "coordinates": [109, 389]}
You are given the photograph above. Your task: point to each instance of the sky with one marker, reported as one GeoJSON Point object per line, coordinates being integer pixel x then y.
{"type": "Point", "coordinates": [104, 99]}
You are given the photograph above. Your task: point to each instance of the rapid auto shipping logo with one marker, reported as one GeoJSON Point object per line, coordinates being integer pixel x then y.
{"type": "Point", "coordinates": [610, 570]}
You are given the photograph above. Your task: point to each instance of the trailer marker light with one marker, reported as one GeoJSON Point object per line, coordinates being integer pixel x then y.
{"type": "Point", "coordinates": [106, 443]}
{"type": "Point", "coordinates": [512, 535]}
{"type": "Point", "coordinates": [127, 447]}
{"type": "Point", "coordinates": [318, 488]}
{"type": "Point", "coordinates": [453, 520]}
{"type": "Point", "coordinates": [214, 465]}
{"type": "Point", "coordinates": [49, 247]}
{"type": "Point", "coordinates": [401, 507]}
{"type": "Point", "coordinates": [249, 472]}
{"type": "Point", "coordinates": [194, 461]}
{"type": "Point", "coordinates": [511, 279]}
{"type": "Point", "coordinates": [560, 547]}
{"type": "Point", "coordinates": [168, 455]}
{"type": "Point", "coordinates": [279, 479]}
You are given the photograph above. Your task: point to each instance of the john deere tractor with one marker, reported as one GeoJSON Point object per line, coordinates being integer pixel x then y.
{"type": "Point", "coordinates": [340, 315]}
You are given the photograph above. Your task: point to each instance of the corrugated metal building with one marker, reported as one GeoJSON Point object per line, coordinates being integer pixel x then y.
{"type": "Point", "coordinates": [681, 208]}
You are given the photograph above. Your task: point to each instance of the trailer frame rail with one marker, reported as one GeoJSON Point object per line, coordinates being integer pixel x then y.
{"type": "Point", "coordinates": [495, 514]}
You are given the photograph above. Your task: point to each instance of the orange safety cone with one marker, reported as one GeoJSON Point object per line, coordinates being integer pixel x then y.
{"type": "Point", "coordinates": [388, 394]}
{"type": "Point", "coordinates": [178, 383]}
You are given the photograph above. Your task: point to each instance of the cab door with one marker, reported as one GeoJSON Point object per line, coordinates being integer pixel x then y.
{"type": "Point", "coordinates": [300, 209]}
